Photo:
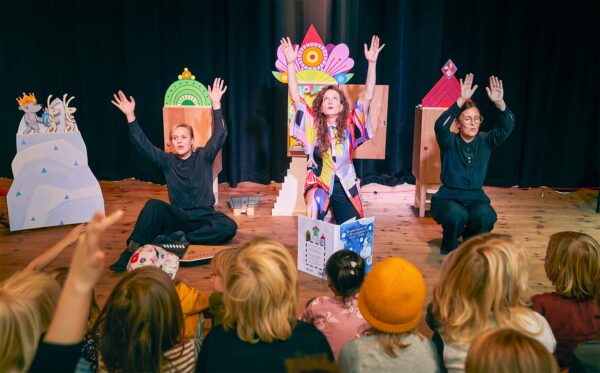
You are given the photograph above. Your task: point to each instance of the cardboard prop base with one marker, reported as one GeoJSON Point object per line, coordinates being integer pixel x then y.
{"type": "Point", "coordinates": [53, 184]}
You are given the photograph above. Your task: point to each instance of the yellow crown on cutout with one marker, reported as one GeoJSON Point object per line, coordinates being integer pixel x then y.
{"type": "Point", "coordinates": [186, 74]}
{"type": "Point", "coordinates": [27, 99]}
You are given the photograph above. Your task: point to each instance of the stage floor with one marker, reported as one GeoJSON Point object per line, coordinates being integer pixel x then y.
{"type": "Point", "coordinates": [530, 216]}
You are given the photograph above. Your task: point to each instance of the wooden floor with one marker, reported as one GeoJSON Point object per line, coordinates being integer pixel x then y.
{"type": "Point", "coordinates": [530, 216]}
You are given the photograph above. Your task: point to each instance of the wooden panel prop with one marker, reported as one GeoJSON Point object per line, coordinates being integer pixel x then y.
{"type": "Point", "coordinates": [53, 184]}
{"type": "Point", "coordinates": [426, 163]}
{"type": "Point", "coordinates": [187, 101]}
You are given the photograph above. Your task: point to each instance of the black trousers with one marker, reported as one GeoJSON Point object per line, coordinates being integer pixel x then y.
{"type": "Point", "coordinates": [462, 218]}
{"type": "Point", "coordinates": [342, 208]}
{"type": "Point", "coordinates": [202, 227]}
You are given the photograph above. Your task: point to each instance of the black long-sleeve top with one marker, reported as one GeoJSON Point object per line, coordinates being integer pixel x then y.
{"type": "Point", "coordinates": [464, 165]}
{"type": "Point", "coordinates": [189, 181]}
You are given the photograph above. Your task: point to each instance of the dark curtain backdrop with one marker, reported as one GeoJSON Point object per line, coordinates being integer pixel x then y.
{"type": "Point", "coordinates": [547, 54]}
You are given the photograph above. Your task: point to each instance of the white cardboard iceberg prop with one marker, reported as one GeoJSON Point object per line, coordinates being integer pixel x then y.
{"type": "Point", "coordinates": [53, 184]}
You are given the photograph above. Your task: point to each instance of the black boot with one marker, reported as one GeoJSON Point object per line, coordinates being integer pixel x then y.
{"type": "Point", "coordinates": [175, 243]}
{"type": "Point", "coordinates": [121, 264]}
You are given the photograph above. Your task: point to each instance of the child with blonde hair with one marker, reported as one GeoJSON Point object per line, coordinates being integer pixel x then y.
{"type": "Point", "coordinates": [339, 317]}
{"type": "Point", "coordinates": [482, 286]}
{"type": "Point", "coordinates": [60, 348]}
{"type": "Point", "coordinates": [572, 264]}
{"type": "Point", "coordinates": [391, 300]}
{"type": "Point", "coordinates": [218, 265]}
{"type": "Point", "coordinates": [505, 350]}
{"type": "Point", "coordinates": [27, 303]}
{"type": "Point", "coordinates": [260, 330]}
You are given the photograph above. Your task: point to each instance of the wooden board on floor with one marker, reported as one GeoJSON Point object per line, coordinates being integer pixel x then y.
{"type": "Point", "coordinates": [530, 216]}
{"type": "Point", "coordinates": [200, 254]}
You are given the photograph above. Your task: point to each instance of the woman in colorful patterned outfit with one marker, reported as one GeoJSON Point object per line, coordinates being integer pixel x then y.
{"type": "Point", "coordinates": [329, 133]}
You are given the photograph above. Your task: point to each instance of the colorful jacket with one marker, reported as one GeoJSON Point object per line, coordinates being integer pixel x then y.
{"type": "Point", "coordinates": [337, 161]}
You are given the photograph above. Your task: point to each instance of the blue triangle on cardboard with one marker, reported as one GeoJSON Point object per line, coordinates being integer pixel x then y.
{"type": "Point", "coordinates": [76, 164]}
{"type": "Point", "coordinates": [66, 196]}
{"type": "Point", "coordinates": [61, 223]}
{"type": "Point", "coordinates": [44, 170]}
{"type": "Point", "coordinates": [18, 194]}
{"type": "Point", "coordinates": [23, 142]}
{"type": "Point", "coordinates": [55, 147]}
{"type": "Point", "coordinates": [33, 218]}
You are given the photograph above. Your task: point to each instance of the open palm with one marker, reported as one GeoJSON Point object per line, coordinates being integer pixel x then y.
{"type": "Point", "coordinates": [372, 52]}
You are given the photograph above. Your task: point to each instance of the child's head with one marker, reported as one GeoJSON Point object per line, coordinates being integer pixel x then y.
{"type": "Point", "coordinates": [572, 264]}
{"type": "Point", "coordinates": [261, 291]}
{"type": "Point", "coordinates": [27, 304]}
{"type": "Point", "coordinates": [345, 271]}
{"type": "Point", "coordinates": [486, 277]}
{"type": "Point", "coordinates": [141, 320]}
{"type": "Point", "coordinates": [507, 350]}
{"type": "Point", "coordinates": [218, 264]}
{"type": "Point", "coordinates": [392, 296]}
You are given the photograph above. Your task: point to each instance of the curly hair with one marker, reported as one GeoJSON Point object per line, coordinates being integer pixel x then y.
{"type": "Point", "coordinates": [321, 120]}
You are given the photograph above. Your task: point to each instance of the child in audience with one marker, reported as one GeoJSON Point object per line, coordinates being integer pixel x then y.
{"type": "Point", "coordinates": [260, 330]}
{"type": "Point", "coordinates": [218, 265]}
{"type": "Point", "coordinates": [391, 300]}
{"type": "Point", "coordinates": [572, 264]}
{"type": "Point", "coordinates": [481, 287]}
{"type": "Point", "coordinates": [193, 302]}
{"type": "Point", "coordinates": [141, 326]}
{"type": "Point", "coordinates": [338, 317]}
{"type": "Point", "coordinates": [27, 303]}
{"type": "Point", "coordinates": [505, 350]}
{"type": "Point", "coordinates": [61, 346]}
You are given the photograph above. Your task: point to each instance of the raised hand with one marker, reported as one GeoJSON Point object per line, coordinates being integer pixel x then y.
{"type": "Point", "coordinates": [217, 91]}
{"type": "Point", "coordinates": [290, 52]}
{"type": "Point", "coordinates": [466, 87]}
{"type": "Point", "coordinates": [496, 92]}
{"type": "Point", "coordinates": [125, 105]}
{"type": "Point", "coordinates": [372, 52]}
{"type": "Point", "coordinates": [52, 253]}
{"type": "Point", "coordinates": [70, 319]}
{"type": "Point", "coordinates": [88, 258]}
{"type": "Point", "coordinates": [74, 234]}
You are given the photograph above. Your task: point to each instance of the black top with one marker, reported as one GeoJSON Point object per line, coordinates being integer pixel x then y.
{"type": "Point", "coordinates": [51, 357]}
{"type": "Point", "coordinates": [586, 357]}
{"type": "Point", "coordinates": [464, 165]}
{"type": "Point", "coordinates": [223, 351]}
{"type": "Point", "coordinates": [189, 181]}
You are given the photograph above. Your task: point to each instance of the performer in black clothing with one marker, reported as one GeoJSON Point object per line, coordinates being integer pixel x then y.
{"type": "Point", "coordinates": [188, 173]}
{"type": "Point", "coordinates": [461, 206]}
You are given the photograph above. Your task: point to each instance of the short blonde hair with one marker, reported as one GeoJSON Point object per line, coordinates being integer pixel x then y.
{"type": "Point", "coordinates": [507, 350]}
{"type": "Point", "coordinates": [484, 280]}
{"type": "Point", "coordinates": [572, 264]}
{"type": "Point", "coordinates": [220, 262]}
{"type": "Point", "coordinates": [261, 291]}
{"type": "Point", "coordinates": [27, 304]}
